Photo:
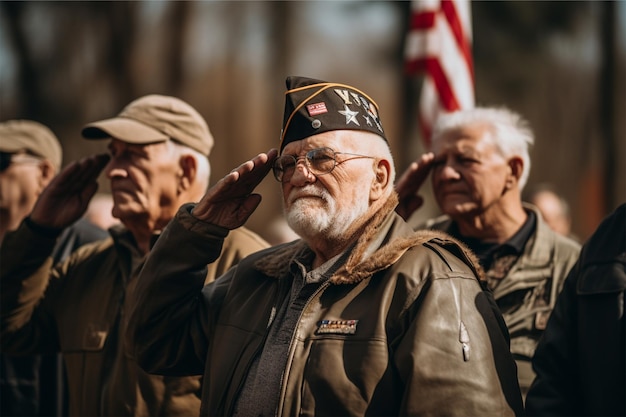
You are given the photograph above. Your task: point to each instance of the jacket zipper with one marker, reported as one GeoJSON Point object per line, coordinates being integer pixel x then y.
{"type": "Point", "coordinates": [283, 385]}
{"type": "Point", "coordinates": [274, 309]}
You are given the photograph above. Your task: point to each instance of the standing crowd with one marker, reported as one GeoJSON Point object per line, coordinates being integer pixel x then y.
{"type": "Point", "coordinates": [177, 309]}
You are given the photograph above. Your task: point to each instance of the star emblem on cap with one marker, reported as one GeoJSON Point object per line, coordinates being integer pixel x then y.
{"type": "Point", "coordinates": [350, 115]}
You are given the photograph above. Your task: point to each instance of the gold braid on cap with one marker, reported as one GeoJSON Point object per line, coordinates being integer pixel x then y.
{"type": "Point", "coordinates": [326, 87]}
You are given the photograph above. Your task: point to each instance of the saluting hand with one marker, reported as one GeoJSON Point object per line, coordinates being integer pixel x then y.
{"type": "Point", "coordinates": [67, 197]}
{"type": "Point", "coordinates": [230, 202]}
{"type": "Point", "coordinates": [410, 183]}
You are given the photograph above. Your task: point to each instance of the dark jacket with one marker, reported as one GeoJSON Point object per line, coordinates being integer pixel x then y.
{"type": "Point", "coordinates": [528, 292]}
{"type": "Point", "coordinates": [79, 307]}
{"type": "Point", "coordinates": [405, 304]}
{"type": "Point", "coordinates": [34, 385]}
{"type": "Point", "coordinates": [581, 359]}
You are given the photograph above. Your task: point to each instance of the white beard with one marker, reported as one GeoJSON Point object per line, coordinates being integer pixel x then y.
{"type": "Point", "coordinates": [312, 216]}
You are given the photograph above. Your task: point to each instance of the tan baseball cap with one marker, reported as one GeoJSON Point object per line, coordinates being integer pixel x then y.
{"type": "Point", "coordinates": [155, 118]}
{"type": "Point", "coordinates": [32, 137]}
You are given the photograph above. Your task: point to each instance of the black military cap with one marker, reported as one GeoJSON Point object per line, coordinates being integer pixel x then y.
{"type": "Point", "coordinates": [314, 106]}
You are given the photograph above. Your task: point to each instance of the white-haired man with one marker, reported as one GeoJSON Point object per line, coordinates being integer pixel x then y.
{"type": "Point", "coordinates": [360, 316]}
{"type": "Point", "coordinates": [479, 165]}
{"type": "Point", "coordinates": [158, 160]}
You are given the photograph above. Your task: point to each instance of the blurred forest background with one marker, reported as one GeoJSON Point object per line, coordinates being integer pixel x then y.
{"type": "Point", "coordinates": [560, 64]}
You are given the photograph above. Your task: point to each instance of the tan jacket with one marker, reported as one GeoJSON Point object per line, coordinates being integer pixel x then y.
{"type": "Point", "coordinates": [80, 308]}
{"type": "Point", "coordinates": [398, 315]}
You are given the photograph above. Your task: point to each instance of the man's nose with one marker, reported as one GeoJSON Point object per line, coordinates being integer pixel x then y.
{"type": "Point", "coordinates": [448, 171]}
{"type": "Point", "coordinates": [301, 173]}
{"type": "Point", "coordinates": [115, 169]}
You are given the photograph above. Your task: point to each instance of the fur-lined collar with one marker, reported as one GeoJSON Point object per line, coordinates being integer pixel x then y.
{"type": "Point", "coordinates": [359, 267]}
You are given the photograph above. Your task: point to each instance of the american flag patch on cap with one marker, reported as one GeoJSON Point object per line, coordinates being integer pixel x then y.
{"type": "Point", "coordinates": [317, 108]}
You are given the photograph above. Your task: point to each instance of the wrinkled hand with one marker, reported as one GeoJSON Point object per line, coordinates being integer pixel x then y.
{"type": "Point", "coordinates": [230, 202]}
{"type": "Point", "coordinates": [410, 183]}
{"type": "Point", "coordinates": [67, 197]}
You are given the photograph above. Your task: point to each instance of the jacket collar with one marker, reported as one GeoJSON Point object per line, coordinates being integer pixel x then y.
{"type": "Point", "coordinates": [130, 256]}
{"type": "Point", "coordinates": [537, 252]}
{"type": "Point", "coordinates": [384, 240]}
{"type": "Point", "coordinates": [540, 245]}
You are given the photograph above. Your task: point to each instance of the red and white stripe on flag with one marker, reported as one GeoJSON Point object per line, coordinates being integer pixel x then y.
{"type": "Point", "coordinates": [439, 46]}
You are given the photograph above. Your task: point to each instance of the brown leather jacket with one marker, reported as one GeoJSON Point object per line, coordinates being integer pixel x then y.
{"type": "Point", "coordinates": [80, 308]}
{"type": "Point", "coordinates": [420, 336]}
{"type": "Point", "coordinates": [528, 292]}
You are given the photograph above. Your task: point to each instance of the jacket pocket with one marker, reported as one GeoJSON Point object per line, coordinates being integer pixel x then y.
{"type": "Point", "coordinates": [342, 376]}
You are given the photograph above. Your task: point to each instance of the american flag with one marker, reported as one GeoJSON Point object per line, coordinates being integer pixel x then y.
{"type": "Point", "coordinates": [438, 45]}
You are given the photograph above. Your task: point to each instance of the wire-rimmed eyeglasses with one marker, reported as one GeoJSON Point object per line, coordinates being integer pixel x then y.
{"type": "Point", "coordinates": [318, 161]}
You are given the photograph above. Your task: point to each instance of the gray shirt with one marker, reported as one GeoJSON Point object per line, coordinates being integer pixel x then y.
{"type": "Point", "coordinates": [261, 390]}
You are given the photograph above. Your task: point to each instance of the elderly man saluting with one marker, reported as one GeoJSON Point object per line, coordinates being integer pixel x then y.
{"type": "Point", "coordinates": [479, 164]}
{"type": "Point", "coordinates": [158, 160]}
{"type": "Point", "coordinates": [362, 316]}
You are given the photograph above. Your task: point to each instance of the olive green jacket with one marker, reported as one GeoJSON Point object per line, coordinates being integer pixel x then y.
{"type": "Point", "coordinates": [79, 307]}
{"type": "Point", "coordinates": [527, 294]}
{"type": "Point", "coordinates": [403, 328]}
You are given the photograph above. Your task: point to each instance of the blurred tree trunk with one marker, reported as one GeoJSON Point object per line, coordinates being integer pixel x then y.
{"type": "Point", "coordinates": [118, 37]}
{"type": "Point", "coordinates": [607, 104]}
{"type": "Point", "coordinates": [279, 30]}
{"type": "Point", "coordinates": [409, 137]}
{"type": "Point", "coordinates": [30, 101]}
{"type": "Point", "coordinates": [174, 48]}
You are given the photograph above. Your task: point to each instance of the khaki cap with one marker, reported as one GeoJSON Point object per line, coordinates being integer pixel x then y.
{"type": "Point", "coordinates": [32, 137]}
{"type": "Point", "coordinates": [155, 118]}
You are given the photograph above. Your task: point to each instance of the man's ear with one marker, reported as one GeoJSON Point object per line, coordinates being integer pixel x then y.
{"type": "Point", "coordinates": [47, 173]}
{"type": "Point", "coordinates": [188, 172]}
{"type": "Point", "coordinates": [516, 167]}
{"type": "Point", "coordinates": [382, 171]}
